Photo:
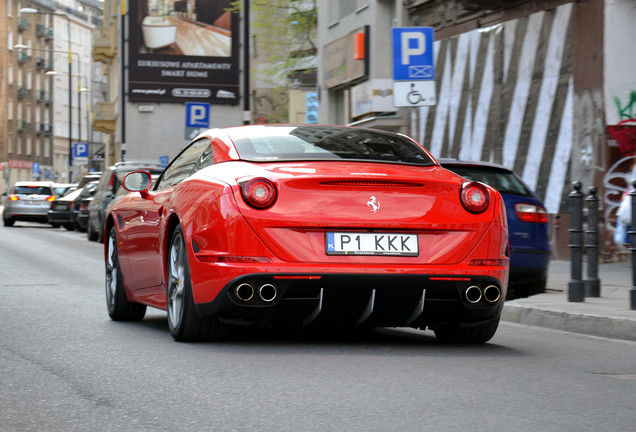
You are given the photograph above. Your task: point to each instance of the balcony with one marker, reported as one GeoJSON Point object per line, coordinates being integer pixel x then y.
{"type": "Point", "coordinates": [105, 43]}
{"type": "Point", "coordinates": [42, 63]}
{"type": "Point", "coordinates": [43, 128]}
{"type": "Point", "coordinates": [44, 31]}
{"type": "Point", "coordinates": [22, 125]}
{"type": "Point", "coordinates": [23, 57]}
{"type": "Point", "coordinates": [44, 96]}
{"type": "Point", "coordinates": [105, 117]}
{"type": "Point", "coordinates": [23, 92]}
{"type": "Point", "coordinates": [23, 24]}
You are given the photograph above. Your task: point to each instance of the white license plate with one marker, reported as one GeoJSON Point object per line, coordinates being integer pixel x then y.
{"type": "Point", "coordinates": [340, 243]}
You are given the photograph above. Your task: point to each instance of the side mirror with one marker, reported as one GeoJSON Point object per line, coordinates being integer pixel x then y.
{"type": "Point", "coordinates": [137, 181]}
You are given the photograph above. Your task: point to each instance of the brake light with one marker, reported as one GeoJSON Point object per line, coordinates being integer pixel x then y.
{"type": "Point", "coordinates": [259, 193]}
{"type": "Point", "coordinates": [111, 184]}
{"type": "Point", "coordinates": [14, 198]}
{"type": "Point", "coordinates": [475, 197]}
{"type": "Point", "coordinates": [50, 198]}
{"type": "Point", "coordinates": [531, 213]}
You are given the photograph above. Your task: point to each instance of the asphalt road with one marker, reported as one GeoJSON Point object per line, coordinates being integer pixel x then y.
{"type": "Point", "coordinates": [65, 366]}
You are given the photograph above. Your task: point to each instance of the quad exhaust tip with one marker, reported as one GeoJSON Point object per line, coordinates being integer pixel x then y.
{"type": "Point", "coordinates": [246, 292]}
{"type": "Point", "coordinates": [268, 292]}
{"type": "Point", "coordinates": [474, 294]}
{"type": "Point", "coordinates": [492, 293]}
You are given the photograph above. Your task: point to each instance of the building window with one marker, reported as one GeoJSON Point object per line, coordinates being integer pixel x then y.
{"type": "Point", "coordinates": [10, 74]}
{"type": "Point", "coordinates": [10, 109]}
{"type": "Point", "coordinates": [347, 7]}
{"type": "Point", "coordinates": [29, 150]}
{"type": "Point", "coordinates": [10, 144]}
{"type": "Point", "coordinates": [10, 40]}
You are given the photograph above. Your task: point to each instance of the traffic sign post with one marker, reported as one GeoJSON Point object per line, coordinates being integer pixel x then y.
{"type": "Point", "coordinates": [197, 119]}
{"type": "Point", "coordinates": [80, 153]}
{"type": "Point", "coordinates": [413, 68]}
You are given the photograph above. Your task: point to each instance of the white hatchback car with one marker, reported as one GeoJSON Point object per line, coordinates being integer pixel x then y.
{"type": "Point", "coordinates": [28, 201]}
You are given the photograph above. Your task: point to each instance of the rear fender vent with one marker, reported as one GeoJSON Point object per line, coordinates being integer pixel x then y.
{"type": "Point", "coordinates": [372, 183]}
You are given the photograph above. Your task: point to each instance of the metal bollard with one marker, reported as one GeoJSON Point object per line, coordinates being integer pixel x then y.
{"type": "Point", "coordinates": [632, 246]}
{"type": "Point", "coordinates": [575, 286]}
{"type": "Point", "coordinates": [592, 283]}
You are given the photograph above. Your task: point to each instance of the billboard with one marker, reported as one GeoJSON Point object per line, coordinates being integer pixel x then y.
{"type": "Point", "coordinates": [183, 50]}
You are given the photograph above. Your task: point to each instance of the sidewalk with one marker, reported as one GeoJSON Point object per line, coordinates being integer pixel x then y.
{"type": "Point", "coordinates": [609, 315]}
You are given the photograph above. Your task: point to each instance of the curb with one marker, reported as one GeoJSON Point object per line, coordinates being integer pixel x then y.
{"type": "Point", "coordinates": [593, 325]}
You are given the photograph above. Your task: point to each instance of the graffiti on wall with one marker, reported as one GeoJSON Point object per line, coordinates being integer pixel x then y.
{"type": "Point", "coordinates": [628, 111]}
{"type": "Point", "coordinates": [621, 139]}
{"type": "Point", "coordinates": [505, 95]}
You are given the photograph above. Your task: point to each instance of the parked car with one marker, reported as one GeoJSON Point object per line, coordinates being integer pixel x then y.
{"type": "Point", "coordinates": [61, 189]}
{"type": "Point", "coordinates": [61, 210]}
{"type": "Point", "coordinates": [28, 201]}
{"type": "Point", "coordinates": [109, 182]}
{"type": "Point", "coordinates": [90, 177]}
{"type": "Point", "coordinates": [308, 226]}
{"type": "Point", "coordinates": [527, 224]}
{"type": "Point", "coordinates": [80, 206]}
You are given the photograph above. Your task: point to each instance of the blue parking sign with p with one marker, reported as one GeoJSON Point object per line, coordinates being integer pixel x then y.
{"type": "Point", "coordinates": [413, 53]}
{"type": "Point", "coordinates": [80, 150]}
{"type": "Point", "coordinates": [197, 115]}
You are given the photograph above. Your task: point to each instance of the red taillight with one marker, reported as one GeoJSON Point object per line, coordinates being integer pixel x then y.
{"type": "Point", "coordinates": [14, 198]}
{"type": "Point", "coordinates": [475, 197]}
{"type": "Point", "coordinates": [531, 213]}
{"type": "Point", "coordinates": [260, 193]}
{"type": "Point", "coordinates": [50, 198]}
{"type": "Point", "coordinates": [111, 184]}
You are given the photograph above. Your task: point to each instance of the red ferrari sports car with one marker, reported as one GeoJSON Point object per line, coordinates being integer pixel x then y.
{"type": "Point", "coordinates": [305, 225]}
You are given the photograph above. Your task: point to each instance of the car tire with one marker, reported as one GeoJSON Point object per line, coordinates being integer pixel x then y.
{"type": "Point", "coordinates": [8, 222]}
{"type": "Point", "coordinates": [119, 307]}
{"type": "Point", "coordinates": [454, 333]}
{"type": "Point", "coordinates": [90, 234]}
{"type": "Point", "coordinates": [69, 227]}
{"type": "Point", "coordinates": [55, 225]}
{"type": "Point", "coordinates": [184, 322]}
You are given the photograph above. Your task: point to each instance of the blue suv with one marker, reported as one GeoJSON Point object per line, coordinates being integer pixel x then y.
{"type": "Point", "coordinates": [528, 227]}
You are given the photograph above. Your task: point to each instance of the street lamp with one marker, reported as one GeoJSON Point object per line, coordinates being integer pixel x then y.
{"type": "Point", "coordinates": [70, 78]}
{"type": "Point", "coordinates": [80, 90]}
{"type": "Point", "coordinates": [89, 116]}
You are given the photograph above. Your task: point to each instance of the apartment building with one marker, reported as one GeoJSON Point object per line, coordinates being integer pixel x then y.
{"type": "Point", "coordinates": [47, 87]}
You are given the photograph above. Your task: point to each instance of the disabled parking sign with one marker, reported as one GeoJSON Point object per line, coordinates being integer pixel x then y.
{"type": "Point", "coordinates": [413, 68]}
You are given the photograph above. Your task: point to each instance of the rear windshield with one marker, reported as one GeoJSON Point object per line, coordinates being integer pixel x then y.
{"type": "Point", "coordinates": [503, 181]}
{"type": "Point", "coordinates": [32, 190]}
{"type": "Point", "coordinates": [294, 143]}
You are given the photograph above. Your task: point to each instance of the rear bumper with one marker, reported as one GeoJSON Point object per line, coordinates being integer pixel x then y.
{"type": "Point", "coordinates": [60, 217]}
{"type": "Point", "coordinates": [26, 212]}
{"type": "Point", "coordinates": [350, 300]}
